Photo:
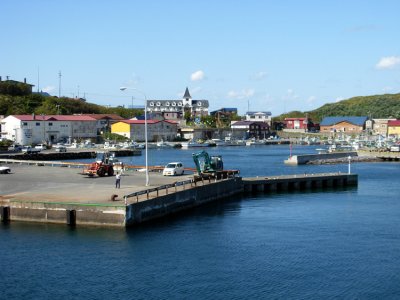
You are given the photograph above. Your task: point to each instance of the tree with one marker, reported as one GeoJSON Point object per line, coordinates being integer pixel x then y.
{"type": "Point", "coordinates": [209, 121]}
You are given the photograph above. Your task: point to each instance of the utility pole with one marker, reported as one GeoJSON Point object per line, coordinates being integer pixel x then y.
{"type": "Point", "coordinates": [59, 84]}
{"type": "Point", "coordinates": [38, 79]}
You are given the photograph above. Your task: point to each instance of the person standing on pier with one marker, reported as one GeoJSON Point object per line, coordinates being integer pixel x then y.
{"type": "Point", "coordinates": [117, 180]}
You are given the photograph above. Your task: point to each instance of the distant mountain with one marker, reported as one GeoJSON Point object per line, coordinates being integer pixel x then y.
{"type": "Point", "coordinates": [376, 106]}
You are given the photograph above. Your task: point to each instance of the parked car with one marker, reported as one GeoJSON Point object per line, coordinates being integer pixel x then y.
{"type": "Point", "coordinates": [41, 147]}
{"type": "Point", "coordinates": [60, 148]}
{"type": "Point", "coordinates": [15, 148]}
{"type": "Point", "coordinates": [5, 170]}
{"type": "Point", "coordinates": [29, 150]}
{"type": "Point", "coordinates": [173, 168]}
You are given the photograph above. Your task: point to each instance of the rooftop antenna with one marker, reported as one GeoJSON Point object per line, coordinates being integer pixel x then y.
{"type": "Point", "coordinates": [248, 105]}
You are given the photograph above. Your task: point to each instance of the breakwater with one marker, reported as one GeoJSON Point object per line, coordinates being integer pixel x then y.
{"type": "Point", "coordinates": [61, 195]}
{"type": "Point", "coordinates": [308, 158]}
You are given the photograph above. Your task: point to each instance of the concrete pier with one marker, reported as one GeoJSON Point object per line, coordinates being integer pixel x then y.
{"type": "Point", "coordinates": [50, 155]}
{"type": "Point", "coordinates": [306, 158]}
{"type": "Point", "coordinates": [298, 182]}
{"type": "Point", "coordinates": [37, 193]}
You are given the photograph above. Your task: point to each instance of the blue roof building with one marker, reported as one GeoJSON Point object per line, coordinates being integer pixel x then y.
{"type": "Point", "coordinates": [343, 124]}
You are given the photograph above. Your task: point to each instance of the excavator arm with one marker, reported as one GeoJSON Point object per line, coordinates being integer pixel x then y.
{"type": "Point", "coordinates": [206, 163]}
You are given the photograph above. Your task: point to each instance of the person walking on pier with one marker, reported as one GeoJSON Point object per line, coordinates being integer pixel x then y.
{"type": "Point", "coordinates": [117, 180]}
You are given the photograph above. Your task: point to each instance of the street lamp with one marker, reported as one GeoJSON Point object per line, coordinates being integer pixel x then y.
{"type": "Point", "coordinates": [145, 129]}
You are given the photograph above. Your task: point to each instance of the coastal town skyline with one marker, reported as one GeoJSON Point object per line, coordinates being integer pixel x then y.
{"type": "Point", "coordinates": [270, 56]}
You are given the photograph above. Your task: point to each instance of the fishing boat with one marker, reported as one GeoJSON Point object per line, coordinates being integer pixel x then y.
{"type": "Point", "coordinates": [192, 144]}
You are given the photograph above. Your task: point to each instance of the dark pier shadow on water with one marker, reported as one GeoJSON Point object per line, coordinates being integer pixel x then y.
{"type": "Point", "coordinates": [212, 209]}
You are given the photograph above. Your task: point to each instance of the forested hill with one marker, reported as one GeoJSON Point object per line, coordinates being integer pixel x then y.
{"type": "Point", "coordinates": [377, 106]}
{"type": "Point", "coordinates": [39, 104]}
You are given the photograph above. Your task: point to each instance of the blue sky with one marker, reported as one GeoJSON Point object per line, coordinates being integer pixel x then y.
{"type": "Point", "coordinates": [273, 56]}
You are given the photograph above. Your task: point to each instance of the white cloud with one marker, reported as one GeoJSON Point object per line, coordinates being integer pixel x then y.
{"type": "Point", "coordinates": [243, 94]}
{"type": "Point", "coordinates": [388, 62]}
{"type": "Point", "coordinates": [48, 89]}
{"type": "Point", "coordinates": [259, 75]}
{"type": "Point", "coordinates": [197, 76]}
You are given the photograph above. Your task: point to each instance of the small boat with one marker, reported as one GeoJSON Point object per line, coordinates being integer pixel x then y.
{"type": "Point", "coordinates": [254, 142]}
{"type": "Point", "coordinates": [162, 144]}
{"type": "Point", "coordinates": [219, 143]}
{"type": "Point", "coordinates": [192, 144]}
{"type": "Point", "coordinates": [321, 150]}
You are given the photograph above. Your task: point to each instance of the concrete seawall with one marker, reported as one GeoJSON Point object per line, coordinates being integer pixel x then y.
{"type": "Point", "coordinates": [64, 213]}
{"type": "Point", "coordinates": [63, 196]}
{"type": "Point", "coordinates": [298, 182]}
{"type": "Point", "coordinates": [178, 201]}
{"type": "Point", "coordinates": [303, 159]}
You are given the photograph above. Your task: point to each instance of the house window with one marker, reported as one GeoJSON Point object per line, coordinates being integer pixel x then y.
{"type": "Point", "coordinates": [151, 103]}
{"type": "Point", "coordinates": [50, 124]}
{"type": "Point", "coordinates": [173, 103]}
{"type": "Point", "coordinates": [166, 103]}
{"type": "Point", "coordinates": [25, 124]}
{"type": "Point", "coordinates": [198, 103]}
{"type": "Point", "coordinates": [158, 103]}
{"type": "Point", "coordinates": [179, 103]}
{"type": "Point", "coordinates": [37, 124]}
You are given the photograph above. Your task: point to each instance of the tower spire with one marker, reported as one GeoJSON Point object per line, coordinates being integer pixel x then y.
{"type": "Point", "coordinates": [187, 94]}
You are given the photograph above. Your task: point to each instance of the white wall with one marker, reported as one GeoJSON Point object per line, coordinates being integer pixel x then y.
{"type": "Point", "coordinates": [38, 131]}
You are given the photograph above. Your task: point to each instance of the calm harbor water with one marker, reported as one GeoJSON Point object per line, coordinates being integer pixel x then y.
{"type": "Point", "coordinates": [319, 245]}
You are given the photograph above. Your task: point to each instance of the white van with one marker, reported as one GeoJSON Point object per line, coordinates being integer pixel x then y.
{"type": "Point", "coordinates": [173, 168]}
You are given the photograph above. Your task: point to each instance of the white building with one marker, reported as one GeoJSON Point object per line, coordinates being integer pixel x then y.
{"type": "Point", "coordinates": [259, 116]}
{"type": "Point", "coordinates": [34, 129]}
{"type": "Point", "coordinates": [175, 109]}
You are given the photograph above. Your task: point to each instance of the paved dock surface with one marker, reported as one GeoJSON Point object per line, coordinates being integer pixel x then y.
{"type": "Point", "coordinates": [63, 184]}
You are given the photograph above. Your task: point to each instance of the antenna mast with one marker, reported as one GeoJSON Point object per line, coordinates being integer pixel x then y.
{"type": "Point", "coordinates": [38, 79]}
{"type": "Point", "coordinates": [59, 84]}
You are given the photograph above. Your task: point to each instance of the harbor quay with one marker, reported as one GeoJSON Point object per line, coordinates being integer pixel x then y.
{"type": "Point", "coordinates": [38, 193]}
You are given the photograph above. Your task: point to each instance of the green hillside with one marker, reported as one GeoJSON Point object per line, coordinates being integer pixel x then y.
{"type": "Point", "coordinates": [376, 106]}
{"type": "Point", "coordinates": [49, 105]}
